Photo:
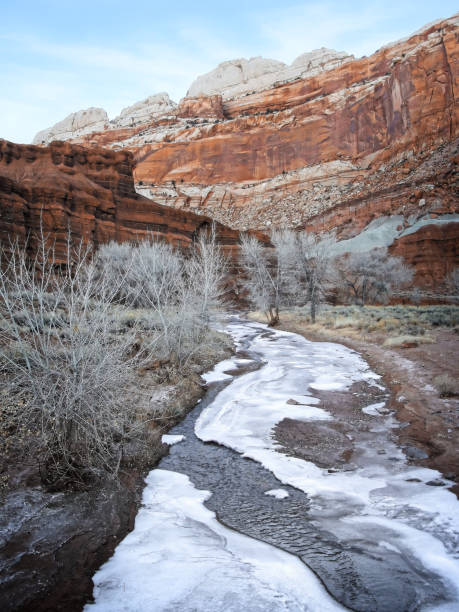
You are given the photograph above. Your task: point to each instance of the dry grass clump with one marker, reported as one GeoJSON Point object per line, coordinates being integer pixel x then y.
{"type": "Point", "coordinates": [384, 320]}
{"type": "Point", "coordinates": [343, 322]}
{"type": "Point", "coordinates": [379, 324]}
{"type": "Point", "coordinates": [407, 341]}
{"type": "Point", "coordinates": [446, 385]}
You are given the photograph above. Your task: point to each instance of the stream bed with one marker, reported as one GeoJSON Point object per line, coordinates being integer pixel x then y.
{"type": "Point", "coordinates": [231, 521]}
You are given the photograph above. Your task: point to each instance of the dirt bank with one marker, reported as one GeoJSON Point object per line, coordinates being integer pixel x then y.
{"type": "Point", "coordinates": [431, 435]}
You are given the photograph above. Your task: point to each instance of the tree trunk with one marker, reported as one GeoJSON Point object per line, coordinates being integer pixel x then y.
{"type": "Point", "coordinates": [364, 289]}
{"type": "Point", "coordinates": [313, 306]}
{"type": "Point", "coordinates": [273, 318]}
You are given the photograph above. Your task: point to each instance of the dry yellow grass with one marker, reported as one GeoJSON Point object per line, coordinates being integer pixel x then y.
{"type": "Point", "coordinates": [405, 341]}
{"type": "Point", "coordinates": [393, 325]}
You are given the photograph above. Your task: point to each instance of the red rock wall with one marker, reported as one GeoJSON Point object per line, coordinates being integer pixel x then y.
{"type": "Point", "coordinates": [374, 137]}
{"type": "Point", "coordinates": [90, 191]}
{"type": "Point", "coordinates": [281, 156]}
{"type": "Point", "coordinates": [433, 252]}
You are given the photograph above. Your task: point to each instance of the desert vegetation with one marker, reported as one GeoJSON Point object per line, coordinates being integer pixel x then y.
{"type": "Point", "coordinates": [301, 268]}
{"type": "Point", "coordinates": [384, 324]}
{"type": "Point", "coordinates": [76, 335]}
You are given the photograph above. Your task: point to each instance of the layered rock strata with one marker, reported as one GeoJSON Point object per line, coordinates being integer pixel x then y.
{"type": "Point", "coordinates": [89, 192]}
{"type": "Point", "coordinates": [329, 142]}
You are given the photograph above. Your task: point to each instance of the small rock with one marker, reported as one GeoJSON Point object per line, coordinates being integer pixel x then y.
{"type": "Point", "coordinates": [413, 480]}
{"type": "Point", "coordinates": [436, 483]}
{"type": "Point", "coordinates": [381, 451]}
{"type": "Point", "coordinates": [415, 453]}
{"type": "Point", "coordinates": [293, 402]}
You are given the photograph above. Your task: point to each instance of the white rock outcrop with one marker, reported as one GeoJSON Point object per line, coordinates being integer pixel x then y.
{"type": "Point", "coordinates": [142, 112]}
{"type": "Point", "coordinates": [229, 79]}
{"type": "Point", "coordinates": [232, 74]}
{"type": "Point", "coordinates": [96, 119]}
{"type": "Point", "coordinates": [241, 76]}
{"type": "Point", "coordinates": [75, 125]}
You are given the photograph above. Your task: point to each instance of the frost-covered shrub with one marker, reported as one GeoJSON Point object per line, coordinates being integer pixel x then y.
{"type": "Point", "coordinates": [176, 290]}
{"type": "Point", "coordinates": [446, 385]}
{"type": "Point", "coordinates": [62, 358]}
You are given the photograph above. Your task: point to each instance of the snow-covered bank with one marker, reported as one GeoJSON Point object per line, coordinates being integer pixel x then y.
{"type": "Point", "coordinates": [243, 415]}
{"type": "Point", "coordinates": [179, 557]}
{"type": "Point", "coordinates": [380, 492]}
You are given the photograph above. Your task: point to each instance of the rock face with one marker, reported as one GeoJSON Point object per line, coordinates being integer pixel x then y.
{"type": "Point", "coordinates": [328, 142]}
{"type": "Point", "coordinates": [144, 111]}
{"type": "Point", "coordinates": [90, 191]}
{"type": "Point", "coordinates": [75, 125]}
{"type": "Point", "coordinates": [241, 76]}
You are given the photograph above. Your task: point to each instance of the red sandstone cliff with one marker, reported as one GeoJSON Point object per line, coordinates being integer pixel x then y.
{"type": "Point", "coordinates": [91, 191]}
{"type": "Point", "coordinates": [363, 130]}
{"type": "Point", "coordinates": [336, 148]}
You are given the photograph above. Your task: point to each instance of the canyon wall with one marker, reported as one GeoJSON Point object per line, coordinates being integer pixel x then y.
{"type": "Point", "coordinates": [89, 191]}
{"type": "Point", "coordinates": [329, 142]}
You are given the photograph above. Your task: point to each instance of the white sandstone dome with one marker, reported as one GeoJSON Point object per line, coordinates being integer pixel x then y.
{"type": "Point", "coordinates": [233, 73]}
{"type": "Point", "coordinates": [143, 111]}
{"type": "Point", "coordinates": [76, 124]}
{"type": "Point", "coordinates": [238, 77]}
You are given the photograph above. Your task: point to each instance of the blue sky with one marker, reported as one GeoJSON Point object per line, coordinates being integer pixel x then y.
{"type": "Point", "coordinates": [58, 56]}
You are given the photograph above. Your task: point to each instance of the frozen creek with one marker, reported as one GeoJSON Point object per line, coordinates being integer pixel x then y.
{"type": "Point", "coordinates": [370, 536]}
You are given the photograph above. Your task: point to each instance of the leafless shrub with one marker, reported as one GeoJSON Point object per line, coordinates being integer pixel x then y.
{"type": "Point", "coordinates": [371, 276]}
{"type": "Point", "coordinates": [177, 290]}
{"type": "Point", "coordinates": [206, 269]}
{"type": "Point", "coordinates": [72, 338]}
{"type": "Point", "coordinates": [59, 353]}
{"type": "Point", "coordinates": [446, 385]}
{"type": "Point", "coordinates": [295, 271]}
{"type": "Point", "coordinates": [262, 278]}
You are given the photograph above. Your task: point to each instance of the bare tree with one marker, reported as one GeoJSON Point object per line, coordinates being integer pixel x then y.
{"type": "Point", "coordinates": [372, 276]}
{"type": "Point", "coordinates": [453, 282]}
{"type": "Point", "coordinates": [294, 271]}
{"type": "Point", "coordinates": [206, 269]}
{"type": "Point", "coordinates": [314, 265]}
{"type": "Point", "coordinates": [59, 354]}
{"type": "Point", "coordinates": [261, 277]}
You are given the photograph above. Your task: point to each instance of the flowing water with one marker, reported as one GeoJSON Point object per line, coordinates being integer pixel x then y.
{"type": "Point", "coordinates": [229, 523]}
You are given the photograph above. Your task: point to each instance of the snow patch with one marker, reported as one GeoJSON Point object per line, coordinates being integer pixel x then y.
{"type": "Point", "coordinates": [171, 439]}
{"type": "Point", "coordinates": [374, 409]}
{"type": "Point", "coordinates": [277, 493]}
{"type": "Point", "coordinates": [179, 557]}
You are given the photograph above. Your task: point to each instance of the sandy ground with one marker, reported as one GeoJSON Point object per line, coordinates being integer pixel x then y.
{"type": "Point", "coordinates": [432, 422]}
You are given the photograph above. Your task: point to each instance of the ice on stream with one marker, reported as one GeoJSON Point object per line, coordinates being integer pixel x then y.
{"type": "Point", "coordinates": [179, 557]}
{"type": "Point", "coordinates": [242, 417]}
{"type": "Point", "coordinates": [374, 409]}
{"type": "Point", "coordinates": [277, 493]}
{"type": "Point", "coordinates": [170, 440]}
